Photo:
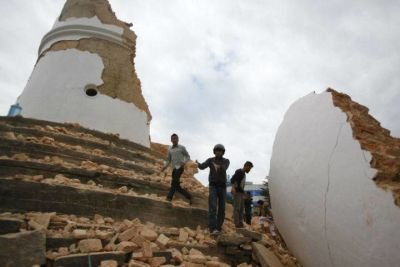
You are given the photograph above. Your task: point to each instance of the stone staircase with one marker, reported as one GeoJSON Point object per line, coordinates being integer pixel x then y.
{"type": "Point", "coordinates": [64, 168]}
{"type": "Point", "coordinates": [71, 196]}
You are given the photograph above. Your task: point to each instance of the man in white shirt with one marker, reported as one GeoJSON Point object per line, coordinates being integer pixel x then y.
{"type": "Point", "coordinates": [177, 157]}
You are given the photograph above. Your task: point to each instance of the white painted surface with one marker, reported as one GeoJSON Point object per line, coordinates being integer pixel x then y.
{"type": "Point", "coordinates": [55, 92]}
{"type": "Point", "coordinates": [324, 201]}
{"type": "Point", "coordinates": [78, 28]}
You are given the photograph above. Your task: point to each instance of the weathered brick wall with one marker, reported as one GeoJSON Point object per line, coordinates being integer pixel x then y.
{"type": "Point", "coordinates": [384, 148]}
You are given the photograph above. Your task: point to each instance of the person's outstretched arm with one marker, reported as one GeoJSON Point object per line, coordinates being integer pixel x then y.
{"type": "Point", "coordinates": [203, 165]}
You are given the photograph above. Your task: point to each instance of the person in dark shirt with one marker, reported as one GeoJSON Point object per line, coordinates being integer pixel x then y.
{"type": "Point", "coordinates": [217, 188]}
{"type": "Point", "coordinates": [238, 182]}
{"type": "Point", "coordinates": [248, 201]}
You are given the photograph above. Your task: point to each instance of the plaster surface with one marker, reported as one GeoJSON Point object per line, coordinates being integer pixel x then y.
{"type": "Point", "coordinates": [324, 201]}
{"type": "Point", "coordinates": [79, 28]}
{"type": "Point", "coordinates": [55, 92]}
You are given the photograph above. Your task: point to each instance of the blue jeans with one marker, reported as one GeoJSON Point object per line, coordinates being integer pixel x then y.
{"type": "Point", "coordinates": [216, 198]}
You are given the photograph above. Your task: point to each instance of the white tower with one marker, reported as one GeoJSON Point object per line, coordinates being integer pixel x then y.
{"type": "Point", "coordinates": [85, 74]}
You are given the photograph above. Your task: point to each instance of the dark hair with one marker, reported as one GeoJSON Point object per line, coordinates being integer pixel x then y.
{"type": "Point", "coordinates": [248, 163]}
{"type": "Point", "coordinates": [174, 134]}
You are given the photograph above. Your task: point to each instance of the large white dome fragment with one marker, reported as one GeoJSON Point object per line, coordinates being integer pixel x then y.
{"type": "Point", "coordinates": [334, 184]}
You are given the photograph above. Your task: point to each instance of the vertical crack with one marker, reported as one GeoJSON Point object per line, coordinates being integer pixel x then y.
{"type": "Point", "coordinates": [327, 191]}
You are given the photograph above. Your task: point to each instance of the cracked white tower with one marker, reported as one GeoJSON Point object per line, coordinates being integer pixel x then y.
{"type": "Point", "coordinates": [85, 74]}
{"type": "Point", "coordinates": [335, 184]}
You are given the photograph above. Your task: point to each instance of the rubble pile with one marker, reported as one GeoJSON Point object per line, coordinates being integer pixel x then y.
{"type": "Point", "coordinates": [71, 239]}
{"type": "Point", "coordinates": [120, 165]}
{"type": "Point", "coordinates": [71, 195]}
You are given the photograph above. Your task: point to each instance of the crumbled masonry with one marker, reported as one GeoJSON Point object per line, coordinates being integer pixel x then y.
{"type": "Point", "coordinates": [384, 148]}
{"type": "Point", "coordinates": [71, 169]}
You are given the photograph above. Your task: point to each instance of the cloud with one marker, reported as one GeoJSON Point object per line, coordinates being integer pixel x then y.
{"type": "Point", "coordinates": [226, 71]}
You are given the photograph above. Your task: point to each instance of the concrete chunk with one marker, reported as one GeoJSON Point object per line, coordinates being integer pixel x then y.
{"type": "Point", "coordinates": [95, 259]}
{"type": "Point", "coordinates": [265, 256]}
{"type": "Point", "coordinates": [23, 249]}
{"type": "Point", "coordinates": [90, 245]}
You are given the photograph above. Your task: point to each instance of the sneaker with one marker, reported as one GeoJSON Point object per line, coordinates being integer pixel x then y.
{"type": "Point", "coordinates": [215, 232]}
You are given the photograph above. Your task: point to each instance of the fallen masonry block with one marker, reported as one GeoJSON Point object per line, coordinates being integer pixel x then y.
{"type": "Point", "coordinates": [43, 219]}
{"type": "Point", "coordinates": [90, 245]}
{"type": "Point", "coordinates": [255, 236]}
{"type": "Point", "coordinates": [128, 234]}
{"type": "Point", "coordinates": [164, 254]}
{"type": "Point", "coordinates": [149, 234]}
{"type": "Point", "coordinates": [183, 235]}
{"type": "Point", "coordinates": [109, 263]}
{"type": "Point", "coordinates": [157, 261]}
{"type": "Point", "coordinates": [26, 248]}
{"type": "Point", "coordinates": [134, 263]}
{"type": "Point", "coordinates": [10, 225]}
{"type": "Point", "coordinates": [265, 257]}
{"type": "Point", "coordinates": [162, 240]}
{"type": "Point", "coordinates": [127, 246]}
{"type": "Point", "coordinates": [89, 259]}
{"type": "Point", "coordinates": [232, 240]}
{"type": "Point", "coordinates": [146, 249]}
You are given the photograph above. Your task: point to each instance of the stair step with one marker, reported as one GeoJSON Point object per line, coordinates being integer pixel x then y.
{"type": "Point", "coordinates": [12, 147]}
{"type": "Point", "coordinates": [10, 168]}
{"type": "Point", "coordinates": [24, 196]}
{"type": "Point", "coordinates": [110, 148]}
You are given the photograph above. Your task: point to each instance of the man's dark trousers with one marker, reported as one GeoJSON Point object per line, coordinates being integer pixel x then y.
{"type": "Point", "coordinates": [176, 184]}
{"type": "Point", "coordinates": [216, 198]}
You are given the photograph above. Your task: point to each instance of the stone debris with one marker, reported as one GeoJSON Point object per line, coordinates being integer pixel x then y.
{"type": "Point", "coordinates": [149, 234]}
{"type": "Point", "coordinates": [149, 244]}
{"type": "Point", "coordinates": [101, 237]}
{"type": "Point", "coordinates": [90, 245]}
{"type": "Point", "coordinates": [189, 181]}
{"type": "Point", "coordinates": [127, 246]}
{"type": "Point", "coordinates": [16, 246]}
{"type": "Point", "coordinates": [183, 235]}
{"type": "Point", "coordinates": [109, 263]}
{"type": "Point", "coordinates": [162, 241]}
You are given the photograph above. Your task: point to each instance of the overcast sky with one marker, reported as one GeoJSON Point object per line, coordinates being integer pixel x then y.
{"type": "Point", "coordinates": [225, 71]}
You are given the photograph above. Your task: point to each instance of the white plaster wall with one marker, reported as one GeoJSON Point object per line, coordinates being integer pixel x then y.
{"type": "Point", "coordinates": [73, 29]}
{"type": "Point", "coordinates": [55, 92]}
{"type": "Point", "coordinates": [324, 201]}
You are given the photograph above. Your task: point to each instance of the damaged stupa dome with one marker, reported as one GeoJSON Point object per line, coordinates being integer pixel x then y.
{"type": "Point", "coordinates": [85, 74]}
{"type": "Point", "coordinates": [334, 184]}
